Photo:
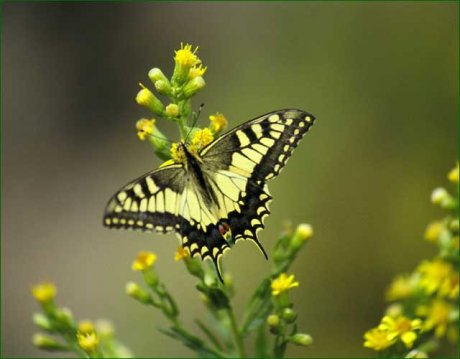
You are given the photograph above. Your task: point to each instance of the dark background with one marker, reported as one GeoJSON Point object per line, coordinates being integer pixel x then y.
{"type": "Point", "coordinates": [381, 78]}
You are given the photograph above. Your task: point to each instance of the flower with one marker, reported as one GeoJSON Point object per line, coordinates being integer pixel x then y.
{"type": "Point", "coordinates": [218, 122]}
{"type": "Point", "coordinates": [181, 253]}
{"type": "Point", "coordinates": [437, 276]}
{"type": "Point", "coordinates": [400, 288]}
{"type": "Point", "coordinates": [201, 138]}
{"type": "Point", "coordinates": [401, 327]}
{"type": "Point", "coordinates": [44, 292]}
{"type": "Point", "coordinates": [177, 153]}
{"type": "Point", "coordinates": [196, 71]}
{"type": "Point", "coordinates": [186, 57]}
{"type": "Point", "coordinates": [144, 261]}
{"type": "Point", "coordinates": [453, 174]}
{"type": "Point", "coordinates": [433, 231]}
{"type": "Point", "coordinates": [145, 128]}
{"type": "Point", "coordinates": [301, 235]}
{"type": "Point", "coordinates": [283, 283]}
{"type": "Point", "coordinates": [172, 110]}
{"type": "Point", "coordinates": [437, 316]}
{"type": "Point", "coordinates": [378, 339]}
{"type": "Point", "coordinates": [88, 341]}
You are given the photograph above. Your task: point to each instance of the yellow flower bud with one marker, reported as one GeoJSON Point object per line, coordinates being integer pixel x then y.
{"type": "Point", "coordinates": [172, 110]}
{"type": "Point", "coordinates": [433, 231]}
{"type": "Point", "coordinates": [156, 74]}
{"type": "Point", "coordinates": [273, 320]}
{"type": "Point", "coordinates": [146, 98]}
{"type": "Point", "coordinates": [453, 174]}
{"type": "Point", "coordinates": [302, 234]}
{"type": "Point", "coordinates": [86, 326]}
{"type": "Point", "coordinates": [46, 342]}
{"type": "Point", "coordinates": [135, 291]}
{"type": "Point", "coordinates": [301, 339]}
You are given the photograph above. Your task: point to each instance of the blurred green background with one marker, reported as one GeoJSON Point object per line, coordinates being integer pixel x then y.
{"type": "Point", "coordinates": [381, 78]}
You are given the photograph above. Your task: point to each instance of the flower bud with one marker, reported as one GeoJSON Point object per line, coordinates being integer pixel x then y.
{"type": "Point", "coordinates": [135, 291]}
{"type": "Point", "coordinates": [86, 326]}
{"type": "Point", "coordinates": [453, 174]}
{"type": "Point", "coordinates": [163, 87]}
{"type": "Point", "coordinates": [415, 353]}
{"type": "Point", "coordinates": [194, 267]}
{"type": "Point", "coordinates": [146, 98]}
{"type": "Point", "coordinates": [289, 315]}
{"type": "Point", "coordinates": [301, 339]}
{"type": "Point", "coordinates": [442, 198]}
{"type": "Point", "coordinates": [47, 343]}
{"type": "Point", "coordinates": [65, 316]}
{"type": "Point", "coordinates": [193, 86]}
{"type": "Point", "coordinates": [273, 320]}
{"type": "Point", "coordinates": [302, 234]}
{"type": "Point", "coordinates": [44, 292]}
{"type": "Point", "coordinates": [156, 74]}
{"type": "Point", "coordinates": [89, 342]}
{"type": "Point", "coordinates": [105, 328]}
{"type": "Point", "coordinates": [42, 321]}
{"type": "Point", "coordinates": [172, 110]}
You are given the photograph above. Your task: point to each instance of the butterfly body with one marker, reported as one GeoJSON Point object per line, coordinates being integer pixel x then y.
{"type": "Point", "coordinates": [217, 193]}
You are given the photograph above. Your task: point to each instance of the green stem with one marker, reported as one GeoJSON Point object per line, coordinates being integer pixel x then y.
{"type": "Point", "coordinates": [236, 334]}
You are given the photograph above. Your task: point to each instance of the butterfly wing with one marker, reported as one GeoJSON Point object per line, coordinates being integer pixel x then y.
{"type": "Point", "coordinates": [239, 163]}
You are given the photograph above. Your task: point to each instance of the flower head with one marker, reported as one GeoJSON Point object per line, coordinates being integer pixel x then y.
{"type": "Point", "coordinates": [144, 261]}
{"type": "Point", "coordinates": [88, 341]}
{"type": "Point", "coordinates": [283, 283]}
{"type": "Point", "coordinates": [186, 57]}
{"type": "Point", "coordinates": [433, 231]}
{"type": "Point", "coordinates": [218, 122]}
{"type": "Point", "coordinates": [201, 138]}
{"type": "Point", "coordinates": [438, 276]}
{"type": "Point", "coordinates": [400, 288]}
{"type": "Point", "coordinates": [196, 71]}
{"type": "Point", "coordinates": [438, 314]}
{"type": "Point", "coordinates": [181, 253]}
{"type": "Point", "coordinates": [145, 128]}
{"type": "Point", "coordinates": [177, 153]}
{"type": "Point", "coordinates": [44, 292]}
{"type": "Point", "coordinates": [378, 339]}
{"type": "Point", "coordinates": [86, 327]}
{"type": "Point", "coordinates": [401, 327]}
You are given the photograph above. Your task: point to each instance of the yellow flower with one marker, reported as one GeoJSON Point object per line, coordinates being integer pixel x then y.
{"type": "Point", "coordinates": [378, 339]}
{"type": "Point", "coordinates": [185, 56]}
{"type": "Point", "coordinates": [88, 341]}
{"type": "Point", "coordinates": [400, 288]}
{"type": "Point", "coordinates": [433, 231]}
{"type": "Point", "coordinates": [181, 253]}
{"type": "Point", "coordinates": [177, 153]}
{"type": "Point", "coordinates": [401, 327]}
{"type": "Point", "coordinates": [172, 110]}
{"type": "Point", "coordinates": [438, 276]}
{"type": "Point", "coordinates": [145, 128]}
{"type": "Point", "coordinates": [283, 283]}
{"type": "Point", "coordinates": [144, 260]}
{"type": "Point", "coordinates": [438, 317]}
{"type": "Point", "coordinates": [200, 139]}
{"type": "Point", "coordinates": [44, 292]}
{"type": "Point", "coordinates": [196, 71]}
{"type": "Point", "coordinates": [453, 174]}
{"type": "Point", "coordinates": [218, 122]}
{"type": "Point", "coordinates": [86, 327]}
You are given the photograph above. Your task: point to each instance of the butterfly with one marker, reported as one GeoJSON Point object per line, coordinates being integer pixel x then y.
{"type": "Point", "coordinates": [218, 195]}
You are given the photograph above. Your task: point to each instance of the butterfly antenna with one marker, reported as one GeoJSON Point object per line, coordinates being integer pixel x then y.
{"type": "Point", "coordinates": [161, 138]}
{"type": "Point", "coordinates": [195, 120]}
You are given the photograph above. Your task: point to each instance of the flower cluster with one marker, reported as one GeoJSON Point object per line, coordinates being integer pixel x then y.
{"type": "Point", "coordinates": [269, 306]}
{"type": "Point", "coordinates": [64, 334]}
{"type": "Point", "coordinates": [424, 304]}
{"type": "Point", "coordinates": [187, 80]}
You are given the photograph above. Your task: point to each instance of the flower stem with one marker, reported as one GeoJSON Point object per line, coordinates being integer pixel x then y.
{"type": "Point", "coordinates": [236, 333]}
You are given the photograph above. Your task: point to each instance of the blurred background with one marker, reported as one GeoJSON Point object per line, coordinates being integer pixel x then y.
{"type": "Point", "coordinates": [381, 78]}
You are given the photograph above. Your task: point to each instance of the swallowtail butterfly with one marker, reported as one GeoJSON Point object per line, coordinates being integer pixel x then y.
{"type": "Point", "coordinates": [215, 197]}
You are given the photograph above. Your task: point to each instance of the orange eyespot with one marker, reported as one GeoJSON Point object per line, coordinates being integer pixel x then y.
{"type": "Point", "coordinates": [223, 228]}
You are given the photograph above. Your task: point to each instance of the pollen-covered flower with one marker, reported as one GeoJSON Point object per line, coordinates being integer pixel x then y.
{"type": "Point", "coordinates": [401, 327]}
{"type": "Point", "coordinates": [196, 71]}
{"type": "Point", "coordinates": [181, 253]}
{"type": "Point", "coordinates": [433, 231]}
{"type": "Point", "coordinates": [438, 314]}
{"type": "Point", "coordinates": [144, 260]}
{"type": "Point", "coordinates": [453, 174]}
{"type": "Point", "coordinates": [145, 128]}
{"type": "Point", "coordinates": [88, 341]}
{"type": "Point", "coordinates": [200, 139]}
{"type": "Point", "coordinates": [86, 326]}
{"type": "Point", "coordinates": [378, 339]}
{"type": "Point", "coordinates": [218, 122]}
{"type": "Point", "coordinates": [401, 288]}
{"type": "Point", "coordinates": [177, 153]}
{"type": "Point", "coordinates": [44, 292]}
{"type": "Point", "coordinates": [438, 276]}
{"type": "Point", "coordinates": [283, 283]}
{"type": "Point", "coordinates": [185, 56]}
